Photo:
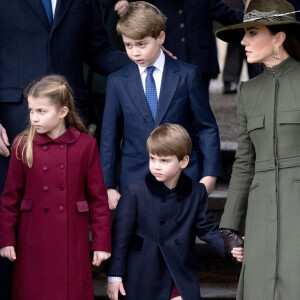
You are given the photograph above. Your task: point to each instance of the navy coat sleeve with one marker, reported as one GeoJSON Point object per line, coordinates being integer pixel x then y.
{"type": "Point", "coordinates": [206, 228]}
{"type": "Point", "coordinates": [100, 56]}
{"type": "Point", "coordinates": [205, 127]}
{"type": "Point", "coordinates": [111, 135]}
{"type": "Point", "coordinates": [122, 231]}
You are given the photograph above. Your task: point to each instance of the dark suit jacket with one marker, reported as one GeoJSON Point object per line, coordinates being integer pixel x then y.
{"type": "Point", "coordinates": [189, 29]}
{"type": "Point", "coordinates": [30, 48]}
{"type": "Point", "coordinates": [153, 238]}
{"type": "Point", "coordinates": [127, 117]}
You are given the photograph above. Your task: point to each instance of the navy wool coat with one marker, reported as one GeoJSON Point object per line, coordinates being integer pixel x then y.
{"type": "Point", "coordinates": [183, 100]}
{"type": "Point", "coordinates": [153, 238]}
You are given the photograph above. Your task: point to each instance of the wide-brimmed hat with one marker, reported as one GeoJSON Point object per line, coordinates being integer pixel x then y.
{"type": "Point", "coordinates": [261, 13]}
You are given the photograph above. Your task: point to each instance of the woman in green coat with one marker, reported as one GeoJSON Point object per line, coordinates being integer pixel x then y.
{"type": "Point", "coordinates": [264, 191]}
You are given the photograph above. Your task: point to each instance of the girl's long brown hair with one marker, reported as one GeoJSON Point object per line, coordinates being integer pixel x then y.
{"type": "Point", "coordinates": [58, 90]}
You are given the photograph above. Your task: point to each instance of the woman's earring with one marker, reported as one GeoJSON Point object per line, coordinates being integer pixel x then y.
{"type": "Point", "coordinates": [276, 53]}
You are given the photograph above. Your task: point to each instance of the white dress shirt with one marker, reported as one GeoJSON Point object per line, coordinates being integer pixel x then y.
{"type": "Point", "coordinates": [157, 74]}
{"type": "Point", "coordinates": [53, 2]}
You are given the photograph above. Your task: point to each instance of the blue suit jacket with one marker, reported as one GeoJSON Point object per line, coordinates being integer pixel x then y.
{"type": "Point", "coordinates": [153, 238]}
{"type": "Point", "coordinates": [127, 118]}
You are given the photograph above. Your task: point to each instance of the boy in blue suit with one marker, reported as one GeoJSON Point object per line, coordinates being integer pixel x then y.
{"type": "Point", "coordinates": [152, 90]}
{"type": "Point", "coordinates": [156, 222]}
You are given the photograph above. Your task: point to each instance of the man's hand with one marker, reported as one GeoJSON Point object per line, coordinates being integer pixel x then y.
{"type": "Point", "coordinates": [8, 252]}
{"type": "Point", "coordinates": [121, 7]}
{"type": "Point", "coordinates": [99, 257]}
{"type": "Point", "coordinates": [113, 198]}
{"type": "Point", "coordinates": [4, 143]}
{"type": "Point", "coordinates": [209, 182]}
{"type": "Point", "coordinates": [113, 289]}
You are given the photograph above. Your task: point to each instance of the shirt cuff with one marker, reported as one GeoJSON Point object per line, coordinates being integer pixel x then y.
{"type": "Point", "coordinates": [113, 278]}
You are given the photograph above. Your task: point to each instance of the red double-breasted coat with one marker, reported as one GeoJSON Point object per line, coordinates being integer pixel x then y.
{"type": "Point", "coordinates": [50, 204]}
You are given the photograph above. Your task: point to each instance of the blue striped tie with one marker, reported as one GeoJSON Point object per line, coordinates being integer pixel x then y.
{"type": "Point", "coordinates": [151, 93]}
{"type": "Point", "coordinates": [48, 9]}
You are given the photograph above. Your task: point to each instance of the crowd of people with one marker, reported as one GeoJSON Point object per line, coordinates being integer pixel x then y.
{"type": "Point", "coordinates": [158, 127]}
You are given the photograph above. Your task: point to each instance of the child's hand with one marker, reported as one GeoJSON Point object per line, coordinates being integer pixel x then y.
{"type": "Point", "coordinates": [99, 257]}
{"type": "Point", "coordinates": [238, 254]}
{"type": "Point", "coordinates": [113, 289]}
{"type": "Point", "coordinates": [113, 198]}
{"type": "Point", "coordinates": [8, 252]}
{"type": "Point", "coordinates": [209, 182]}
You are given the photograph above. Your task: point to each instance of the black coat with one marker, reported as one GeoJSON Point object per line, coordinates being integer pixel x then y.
{"type": "Point", "coordinates": [189, 29]}
{"type": "Point", "coordinates": [153, 238]}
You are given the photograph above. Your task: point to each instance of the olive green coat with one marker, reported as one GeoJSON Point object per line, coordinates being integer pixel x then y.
{"type": "Point", "coordinates": [264, 189]}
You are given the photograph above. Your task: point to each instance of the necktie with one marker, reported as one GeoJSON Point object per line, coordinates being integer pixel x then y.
{"type": "Point", "coordinates": [48, 9]}
{"type": "Point", "coordinates": [151, 93]}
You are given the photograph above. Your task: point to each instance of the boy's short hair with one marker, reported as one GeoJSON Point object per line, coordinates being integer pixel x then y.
{"type": "Point", "coordinates": [142, 19]}
{"type": "Point", "coordinates": [169, 139]}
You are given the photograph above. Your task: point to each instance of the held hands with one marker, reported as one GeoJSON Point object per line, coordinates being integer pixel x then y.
{"type": "Point", "coordinates": [121, 7]}
{"type": "Point", "coordinates": [99, 257]}
{"type": "Point", "coordinates": [209, 182]}
{"type": "Point", "coordinates": [113, 198]}
{"type": "Point", "coordinates": [233, 243]}
{"type": "Point", "coordinates": [4, 143]}
{"type": "Point", "coordinates": [8, 252]}
{"type": "Point", "coordinates": [113, 289]}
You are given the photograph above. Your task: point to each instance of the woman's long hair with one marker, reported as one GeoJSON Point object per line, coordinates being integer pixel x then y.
{"type": "Point", "coordinates": [60, 94]}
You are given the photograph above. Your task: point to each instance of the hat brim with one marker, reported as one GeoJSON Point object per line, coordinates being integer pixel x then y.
{"type": "Point", "coordinates": [235, 33]}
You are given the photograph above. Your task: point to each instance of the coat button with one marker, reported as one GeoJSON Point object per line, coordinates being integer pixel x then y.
{"type": "Point", "coordinates": [45, 188]}
{"type": "Point", "coordinates": [162, 220]}
{"type": "Point", "coordinates": [61, 147]}
{"type": "Point", "coordinates": [45, 148]}
{"type": "Point", "coordinates": [61, 187]}
{"type": "Point", "coordinates": [182, 40]}
{"type": "Point", "coordinates": [181, 25]}
{"type": "Point", "coordinates": [62, 167]}
{"type": "Point", "coordinates": [45, 168]}
{"type": "Point", "coordinates": [180, 11]}
{"type": "Point", "coordinates": [46, 209]}
{"type": "Point", "coordinates": [61, 208]}
{"type": "Point", "coordinates": [177, 242]}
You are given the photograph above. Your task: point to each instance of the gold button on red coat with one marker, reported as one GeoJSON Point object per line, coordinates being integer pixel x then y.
{"type": "Point", "coordinates": [45, 188]}
{"type": "Point", "coordinates": [45, 148]}
{"type": "Point", "coordinates": [45, 168]}
{"type": "Point", "coordinates": [61, 208]}
{"type": "Point", "coordinates": [61, 147]}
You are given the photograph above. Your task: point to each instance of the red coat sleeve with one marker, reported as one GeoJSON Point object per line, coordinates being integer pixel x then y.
{"type": "Point", "coordinates": [98, 203]}
{"type": "Point", "coordinates": [10, 200]}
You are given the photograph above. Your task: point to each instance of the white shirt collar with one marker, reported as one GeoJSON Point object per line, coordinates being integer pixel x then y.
{"type": "Point", "coordinates": [159, 63]}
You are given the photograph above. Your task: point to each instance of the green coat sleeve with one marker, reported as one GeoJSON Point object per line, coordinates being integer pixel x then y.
{"type": "Point", "coordinates": [242, 174]}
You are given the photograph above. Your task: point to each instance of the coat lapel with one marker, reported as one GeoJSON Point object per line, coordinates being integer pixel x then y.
{"type": "Point", "coordinates": [61, 9]}
{"type": "Point", "coordinates": [134, 87]}
{"type": "Point", "coordinates": [39, 10]}
{"type": "Point", "coordinates": [169, 85]}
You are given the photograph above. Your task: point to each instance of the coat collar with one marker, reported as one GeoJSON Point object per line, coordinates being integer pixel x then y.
{"type": "Point", "coordinates": [183, 187]}
{"type": "Point", "coordinates": [281, 69]}
{"type": "Point", "coordinates": [70, 136]}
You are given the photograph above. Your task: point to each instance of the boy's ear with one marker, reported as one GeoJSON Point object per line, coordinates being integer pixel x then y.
{"type": "Point", "coordinates": [185, 161]}
{"type": "Point", "coordinates": [161, 37]}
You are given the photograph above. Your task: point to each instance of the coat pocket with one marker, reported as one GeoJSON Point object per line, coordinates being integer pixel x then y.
{"type": "Point", "coordinates": [255, 122]}
{"type": "Point", "coordinates": [289, 117]}
{"type": "Point", "coordinates": [82, 206]}
{"type": "Point", "coordinates": [26, 205]}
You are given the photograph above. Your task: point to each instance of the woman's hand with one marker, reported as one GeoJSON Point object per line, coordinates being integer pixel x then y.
{"type": "Point", "coordinates": [99, 257]}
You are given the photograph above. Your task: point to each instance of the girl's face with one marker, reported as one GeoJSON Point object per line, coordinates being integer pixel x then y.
{"type": "Point", "coordinates": [259, 45]}
{"type": "Point", "coordinates": [45, 117]}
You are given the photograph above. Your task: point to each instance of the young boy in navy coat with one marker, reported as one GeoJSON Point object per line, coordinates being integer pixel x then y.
{"type": "Point", "coordinates": [137, 101]}
{"type": "Point", "coordinates": [156, 222]}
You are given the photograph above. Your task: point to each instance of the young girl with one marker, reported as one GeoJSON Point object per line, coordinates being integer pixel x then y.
{"type": "Point", "coordinates": [54, 181]}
